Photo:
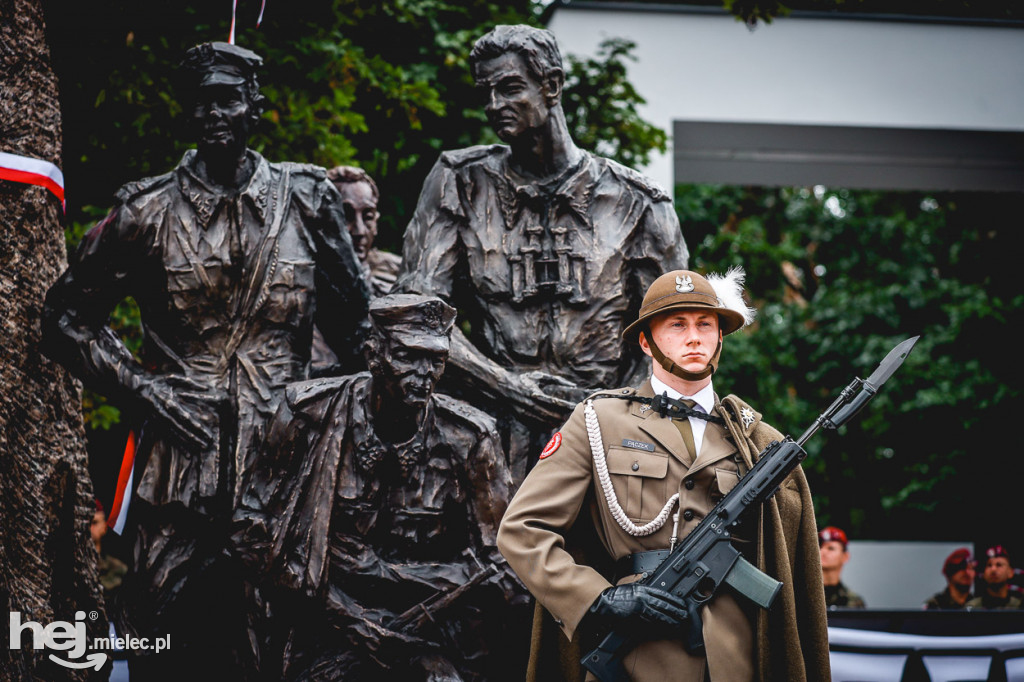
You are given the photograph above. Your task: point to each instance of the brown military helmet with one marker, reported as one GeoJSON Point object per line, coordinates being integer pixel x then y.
{"type": "Point", "coordinates": [688, 290]}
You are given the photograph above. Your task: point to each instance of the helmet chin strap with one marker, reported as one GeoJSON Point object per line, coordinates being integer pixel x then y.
{"type": "Point", "coordinates": [674, 369]}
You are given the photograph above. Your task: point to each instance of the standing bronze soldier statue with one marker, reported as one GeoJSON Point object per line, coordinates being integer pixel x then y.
{"type": "Point", "coordinates": [377, 503]}
{"type": "Point", "coordinates": [230, 259]}
{"type": "Point", "coordinates": [545, 249]}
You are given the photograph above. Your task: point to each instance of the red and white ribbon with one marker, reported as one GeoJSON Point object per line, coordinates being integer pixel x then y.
{"type": "Point", "coordinates": [33, 172]}
{"type": "Point", "coordinates": [123, 488]}
{"type": "Point", "coordinates": [234, 11]}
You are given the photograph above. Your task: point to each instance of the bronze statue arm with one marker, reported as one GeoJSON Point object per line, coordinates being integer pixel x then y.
{"type": "Point", "coordinates": [75, 332]}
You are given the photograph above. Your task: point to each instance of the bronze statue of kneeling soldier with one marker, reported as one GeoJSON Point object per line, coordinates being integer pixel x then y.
{"type": "Point", "coordinates": [375, 514]}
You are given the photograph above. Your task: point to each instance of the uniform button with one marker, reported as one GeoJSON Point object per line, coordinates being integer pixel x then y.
{"type": "Point", "coordinates": [625, 390]}
{"type": "Point", "coordinates": [688, 484]}
{"type": "Point", "coordinates": [636, 466]}
{"type": "Point", "coordinates": [688, 515]}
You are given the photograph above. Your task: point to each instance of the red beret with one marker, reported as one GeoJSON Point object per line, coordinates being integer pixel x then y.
{"type": "Point", "coordinates": [957, 561]}
{"type": "Point", "coordinates": [830, 533]}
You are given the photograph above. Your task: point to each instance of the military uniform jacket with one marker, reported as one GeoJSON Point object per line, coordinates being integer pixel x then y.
{"type": "Point", "coordinates": [648, 462]}
{"type": "Point", "coordinates": [228, 286]}
{"type": "Point", "coordinates": [549, 275]}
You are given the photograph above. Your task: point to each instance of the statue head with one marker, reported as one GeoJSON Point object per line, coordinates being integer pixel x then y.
{"type": "Point", "coordinates": [222, 95]}
{"type": "Point", "coordinates": [408, 345]}
{"type": "Point", "coordinates": [359, 196]}
{"type": "Point", "coordinates": [520, 67]}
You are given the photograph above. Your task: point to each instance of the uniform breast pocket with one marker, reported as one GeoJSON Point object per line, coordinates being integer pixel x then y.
{"type": "Point", "coordinates": [186, 290]}
{"type": "Point", "coordinates": [640, 481]}
{"type": "Point", "coordinates": [290, 292]}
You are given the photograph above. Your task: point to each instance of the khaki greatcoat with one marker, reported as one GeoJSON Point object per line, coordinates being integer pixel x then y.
{"type": "Point", "coordinates": [789, 642]}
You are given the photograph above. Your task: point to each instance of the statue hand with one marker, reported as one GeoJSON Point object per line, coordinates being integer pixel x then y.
{"type": "Point", "coordinates": [546, 396]}
{"type": "Point", "coordinates": [185, 407]}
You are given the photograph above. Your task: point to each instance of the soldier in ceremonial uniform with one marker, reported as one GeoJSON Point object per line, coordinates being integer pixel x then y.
{"type": "Point", "coordinates": [627, 464]}
{"type": "Point", "coordinates": [231, 259]}
{"type": "Point", "coordinates": [369, 492]}
{"type": "Point", "coordinates": [544, 249]}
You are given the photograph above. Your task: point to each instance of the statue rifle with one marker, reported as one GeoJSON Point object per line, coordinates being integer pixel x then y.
{"type": "Point", "coordinates": [415, 617]}
{"type": "Point", "coordinates": [696, 568]}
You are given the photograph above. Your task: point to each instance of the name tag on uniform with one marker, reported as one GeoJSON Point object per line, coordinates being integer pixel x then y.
{"type": "Point", "coordinates": [637, 445]}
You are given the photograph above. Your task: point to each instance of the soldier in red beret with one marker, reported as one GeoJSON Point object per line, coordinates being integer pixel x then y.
{"type": "Point", "coordinates": [959, 571]}
{"type": "Point", "coordinates": [996, 577]}
{"type": "Point", "coordinates": [832, 545]}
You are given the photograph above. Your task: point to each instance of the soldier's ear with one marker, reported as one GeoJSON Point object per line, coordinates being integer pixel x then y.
{"type": "Point", "coordinates": [552, 86]}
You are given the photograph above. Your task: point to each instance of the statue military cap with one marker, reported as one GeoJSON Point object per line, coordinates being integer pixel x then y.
{"type": "Point", "coordinates": [415, 320]}
{"type": "Point", "coordinates": [683, 290]}
{"type": "Point", "coordinates": [221, 64]}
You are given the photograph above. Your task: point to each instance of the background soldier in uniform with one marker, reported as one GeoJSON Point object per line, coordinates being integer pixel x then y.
{"type": "Point", "coordinates": [958, 569]}
{"type": "Point", "coordinates": [644, 480]}
{"type": "Point", "coordinates": [544, 249]}
{"type": "Point", "coordinates": [230, 259]}
{"type": "Point", "coordinates": [995, 580]}
{"type": "Point", "coordinates": [370, 490]}
{"type": "Point", "coordinates": [832, 546]}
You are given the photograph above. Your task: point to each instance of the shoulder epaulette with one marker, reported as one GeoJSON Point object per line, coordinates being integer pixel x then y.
{"type": "Point", "coordinates": [130, 190]}
{"type": "Point", "coordinates": [301, 394]}
{"type": "Point", "coordinates": [460, 157]}
{"type": "Point", "coordinates": [638, 180]}
{"type": "Point", "coordinates": [318, 172]}
{"type": "Point", "coordinates": [465, 413]}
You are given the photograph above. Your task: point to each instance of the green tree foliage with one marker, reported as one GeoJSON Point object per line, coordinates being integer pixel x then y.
{"type": "Point", "coordinates": [601, 106]}
{"type": "Point", "coordinates": [840, 277]}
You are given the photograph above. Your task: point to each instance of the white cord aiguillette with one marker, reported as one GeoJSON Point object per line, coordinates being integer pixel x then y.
{"type": "Point", "coordinates": [601, 464]}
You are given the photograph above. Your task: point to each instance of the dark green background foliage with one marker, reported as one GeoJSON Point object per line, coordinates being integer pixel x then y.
{"type": "Point", "coordinates": [839, 276]}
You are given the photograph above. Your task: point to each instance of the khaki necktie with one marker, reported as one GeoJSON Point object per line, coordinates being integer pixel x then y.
{"type": "Point", "coordinates": [683, 424]}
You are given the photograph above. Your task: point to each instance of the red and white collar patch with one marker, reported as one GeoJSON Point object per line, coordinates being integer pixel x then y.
{"type": "Point", "coordinates": [552, 445]}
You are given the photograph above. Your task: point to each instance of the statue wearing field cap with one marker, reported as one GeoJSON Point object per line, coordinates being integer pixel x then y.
{"type": "Point", "coordinates": [643, 466]}
{"type": "Point", "coordinates": [231, 260]}
{"type": "Point", "coordinates": [378, 503]}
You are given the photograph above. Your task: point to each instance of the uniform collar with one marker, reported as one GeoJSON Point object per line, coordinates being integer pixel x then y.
{"type": "Point", "coordinates": [705, 397]}
{"type": "Point", "coordinates": [206, 201]}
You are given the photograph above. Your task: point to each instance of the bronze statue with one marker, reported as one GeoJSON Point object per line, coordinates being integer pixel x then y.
{"type": "Point", "coordinates": [375, 507]}
{"type": "Point", "coordinates": [231, 260]}
{"type": "Point", "coordinates": [545, 249]}
{"type": "Point", "coordinates": [359, 197]}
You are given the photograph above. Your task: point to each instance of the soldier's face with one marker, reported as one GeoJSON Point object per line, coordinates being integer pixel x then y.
{"type": "Point", "coordinates": [517, 102]}
{"type": "Point", "coordinates": [963, 578]}
{"type": "Point", "coordinates": [221, 118]}
{"type": "Point", "coordinates": [833, 554]}
{"type": "Point", "coordinates": [412, 373]}
{"type": "Point", "coordinates": [998, 570]}
{"type": "Point", "coordinates": [361, 215]}
{"type": "Point", "coordinates": [687, 337]}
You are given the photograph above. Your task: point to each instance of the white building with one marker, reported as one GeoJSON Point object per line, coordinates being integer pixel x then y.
{"type": "Point", "coordinates": [843, 100]}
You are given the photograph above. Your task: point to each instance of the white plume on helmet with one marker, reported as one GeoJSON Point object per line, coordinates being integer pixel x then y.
{"type": "Point", "coordinates": [729, 289]}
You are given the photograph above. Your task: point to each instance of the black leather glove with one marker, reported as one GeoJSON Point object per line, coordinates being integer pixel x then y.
{"type": "Point", "coordinates": [640, 609]}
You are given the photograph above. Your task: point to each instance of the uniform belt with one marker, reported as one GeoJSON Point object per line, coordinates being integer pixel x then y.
{"type": "Point", "coordinates": [641, 562]}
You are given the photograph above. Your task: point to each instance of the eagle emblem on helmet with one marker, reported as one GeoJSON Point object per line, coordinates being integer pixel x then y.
{"type": "Point", "coordinates": [684, 285]}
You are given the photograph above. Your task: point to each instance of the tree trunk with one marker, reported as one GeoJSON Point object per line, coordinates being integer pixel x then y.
{"type": "Point", "coordinates": [47, 561]}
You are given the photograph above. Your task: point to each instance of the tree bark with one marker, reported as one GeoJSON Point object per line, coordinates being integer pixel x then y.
{"type": "Point", "coordinates": [47, 560]}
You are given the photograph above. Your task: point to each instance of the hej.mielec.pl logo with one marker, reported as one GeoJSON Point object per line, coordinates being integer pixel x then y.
{"type": "Point", "coordinates": [72, 639]}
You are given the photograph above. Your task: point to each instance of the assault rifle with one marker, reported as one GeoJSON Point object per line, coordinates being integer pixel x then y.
{"type": "Point", "coordinates": [696, 568]}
